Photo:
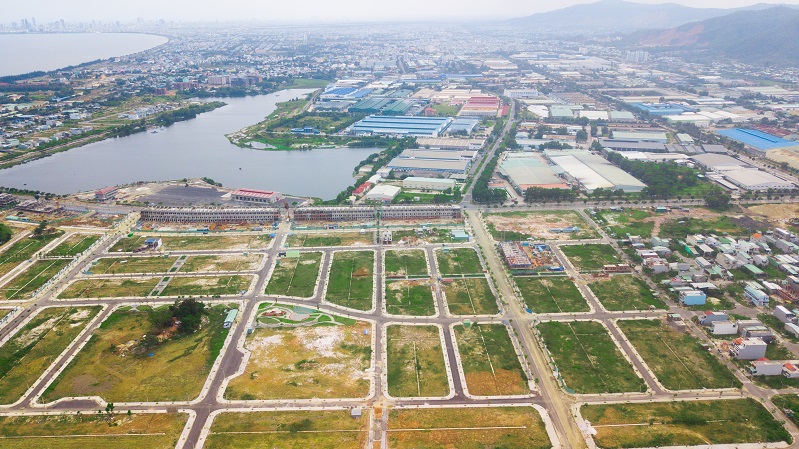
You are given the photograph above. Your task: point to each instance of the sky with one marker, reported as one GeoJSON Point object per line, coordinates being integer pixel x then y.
{"type": "Point", "coordinates": [303, 10]}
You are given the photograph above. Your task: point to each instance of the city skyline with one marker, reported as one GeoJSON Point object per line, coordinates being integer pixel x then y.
{"type": "Point", "coordinates": [314, 10]}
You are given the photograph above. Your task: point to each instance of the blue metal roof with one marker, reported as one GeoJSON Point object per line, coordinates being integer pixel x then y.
{"type": "Point", "coordinates": [757, 139]}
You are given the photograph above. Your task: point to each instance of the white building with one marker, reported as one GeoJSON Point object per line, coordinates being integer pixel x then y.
{"type": "Point", "coordinates": [384, 192]}
{"type": "Point", "coordinates": [418, 183]}
{"type": "Point", "coordinates": [748, 348]}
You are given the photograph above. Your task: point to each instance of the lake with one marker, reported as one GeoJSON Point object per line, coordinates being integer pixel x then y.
{"type": "Point", "coordinates": [194, 149]}
{"type": "Point", "coordinates": [24, 53]}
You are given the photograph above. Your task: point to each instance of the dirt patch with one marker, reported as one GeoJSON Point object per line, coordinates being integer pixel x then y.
{"type": "Point", "coordinates": [781, 215]}
{"type": "Point", "coordinates": [361, 273]}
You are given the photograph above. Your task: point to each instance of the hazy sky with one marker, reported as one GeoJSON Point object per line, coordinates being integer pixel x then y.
{"type": "Point", "coordinates": [302, 10]}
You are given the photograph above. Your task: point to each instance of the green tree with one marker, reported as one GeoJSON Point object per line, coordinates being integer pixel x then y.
{"type": "Point", "coordinates": [716, 198]}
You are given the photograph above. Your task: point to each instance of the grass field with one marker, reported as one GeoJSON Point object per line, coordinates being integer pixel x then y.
{"type": "Point", "coordinates": [410, 263]}
{"type": "Point", "coordinates": [489, 360]}
{"type": "Point", "coordinates": [109, 288]}
{"type": "Point", "coordinates": [592, 256]}
{"type": "Point", "coordinates": [23, 249]}
{"type": "Point", "coordinates": [787, 402]}
{"type": "Point", "coordinates": [588, 359]}
{"type": "Point", "coordinates": [677, 359]}
{"type": "Point", "coordinates": [351, 280]}
{"type": "Point", "coordinates": [90, 431]}
{"type": "Point", "coordinates": [30, 351]}
{"type": "Point", "coordinates": [195, 242]}
{"type": "Point", "coordinates": [31, 279]}
{"type": "Point", "coordinates": [107, 368]}
{"type": "Point", "coordinates": [625, 292]}
{"type": "Point", "coordinates": [410, 298]}
{"type": "Point", "coordinates": [467, 428]}
{"type": "Point", "coordinates": [132, 265]}
{"type": "Point", "coordinates": [551, 295]}
{"type": "Point", "coordinates": [456, 261]}
{"type": "Point", "coordinates": [681, 227]}
{"type": "Point", "coordinates": [415, 362]}
{"type": "Point", "coordinates": [323, 361]}
{"type": "Point", "coordinates": [295, 277]}
{"type": "Point", "coordinates": [74, 245]}
{"type": "Point", "coordinates": [687, 423]}
{"type": "Point", "coordinates": [471, 296]}
{"type": "Point", "coordinates": [289, 430]}
{"type": "Point", "coordinates": [629, 221]}
{"type": "Point", "coordinates": [227, 262]}
{"type": "Point", "coordinates": [330, 239]}
{"type": "Point", "coordinates": [207, 285]}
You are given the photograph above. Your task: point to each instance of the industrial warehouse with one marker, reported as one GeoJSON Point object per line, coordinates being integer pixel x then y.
{"type": "Point", "coordinates": [593, 171]}
{"type": "Point", "coordinates": [442, 161]}
{"type": "Point", "coordinates": [525, 170]}
{"type": "Point", "coordinates": [401, 125]}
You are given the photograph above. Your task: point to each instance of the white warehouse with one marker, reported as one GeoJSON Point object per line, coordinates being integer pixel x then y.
{"type": "Point", "coordinates": [418, 183]}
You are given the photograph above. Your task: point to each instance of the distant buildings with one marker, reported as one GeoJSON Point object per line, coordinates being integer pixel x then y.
{"type": "Point", "coordinates": [256, 196]}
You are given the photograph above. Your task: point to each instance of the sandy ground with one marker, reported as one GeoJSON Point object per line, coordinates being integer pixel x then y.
{"type": "Point", "coordinates": [779, 214]}
{"type": "Point", "coordinates": [785, 155]}
{"type": "Point", "coordinates": [537, 225]}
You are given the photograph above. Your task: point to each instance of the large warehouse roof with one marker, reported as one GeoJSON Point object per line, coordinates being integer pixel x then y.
{"type": "Point", "coordinates": [531, 171]}
{"type": "Point", "coordinates": [754, 179]}
{"type": "Point", "coordinates": [717, 161]}
{"type": "Point", "coordinates": [757, 139]}
{"type": "Point", "coordinates": [594, 171]}
{"type": "Point", "coordinates": [424, 126]}
{"type": "Point", "coordinates": [404, 164]}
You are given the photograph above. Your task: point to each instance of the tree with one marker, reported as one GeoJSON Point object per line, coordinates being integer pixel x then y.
{"type": "Point", "coordinates": [716, 198]}
{"type": "Point", "coordinates": [581, 136]}
{"type": "Point", "coordinates": [40, 229]}
{"type": "Point", "coordinates": [5, 233]}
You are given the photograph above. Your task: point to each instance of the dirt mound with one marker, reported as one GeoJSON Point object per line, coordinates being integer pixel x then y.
{"type": "Point", "coordinates": [361, 273]}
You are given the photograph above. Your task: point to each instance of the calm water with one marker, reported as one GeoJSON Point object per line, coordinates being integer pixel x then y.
{"type": "Point", "coordinates": [24, 53]}
{"type": "Point", "coordinates": [194, 149]}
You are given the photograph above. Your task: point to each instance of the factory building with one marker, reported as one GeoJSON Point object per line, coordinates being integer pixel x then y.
{"type": "Point", "coordinates": [525, 170]}
{"type": "Point", "coordinates": [385, 193]}
{"type": "Point", "coordinates": [401, 125]}
{"type": "Point", "coordinates": [417, 183]}
{"type": "Point", "coordinates": [627, 145]}
{"type": "Point", "coordinates": [209, 215]}
{"type": "Point", "coordinates": [757, 140]}
{"type": "Point", "coordinates": [450, 143]}
{"type": "Point", "coordinates": [662, 109]}
{"type": "Point", "coordinates": [593, 171]}
{"type": "Point", "coordinates": [108, 193]}
{"type": "Point", "coordinates": [256, 196]}
{"type": "Point", "coordinates": [483, 106]}
{"type": "Point", "coordinates": [641, 136]}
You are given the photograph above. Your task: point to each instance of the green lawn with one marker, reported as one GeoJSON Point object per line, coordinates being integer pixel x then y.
{"type": "Point", "coordinates": [410, 263]}
{"type": "Point", "coordinates": [132, 265]}
{"type": "Point", "coordinates": [410, 298]}
{"type": "Point", "coordinates": [625, 292]}
{"type": "Point", "coordinates": [74, 245]}
{"type": "Point", "coordinates": [683, 423]}
{"type": "Point", "coordinates": [588, 359]}
{"type": "Point", "coordinates": [31, 279]}
{"type": "Point", "coordinates": [470, 296]}
{"type": "Point", "coordinates": [676, 358]}
{"type": "Point", "coordinates": [111, 367]}
{"type": "Point", "coordinates": [23, 249]}
{"type": "Point", "coordinates": [679, 228]}
{"type": "Point", "coordinates": [592, 256]}
{"type": "Point", "coordinates": [351, 279]}
{"type": "Point", "coordinates": [489, 360]}
{"type": "Point", "coordinates": [207, 285]}
{"type": "Point", "coordinates": [295, 277]}
{"type": "Point", "coordinates": [289, 430]}
{"type": "Point", "coordinates": [455, 261]}
{"type": "Point", "coordinates": [551, 294]}
{"type": "Point", "coordinates": [30, 351]}
{"type": "Point", "coordinates": [415, 362]}
{"type": "Point", "coordinates": [630, 221]}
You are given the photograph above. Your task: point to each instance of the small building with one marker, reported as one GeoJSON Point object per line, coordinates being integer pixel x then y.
{"type": "Point", "coordinates": [748, 348]}
{"type": "Point", "coordinates": [256, 196]}
{"type": "Point", "coordinates": [790, 371]}
{"type": "Point", "coordinates": [385, 193]}
{"type": "Point", "coordinates": [230, 318]}
{"type": "Point", "coordinates": [784, 315]}
{"type": "Point", "coordinates": [792, 329]}
{"type": "Point", "coordinates": [766, 367]}
{"type": "Point", "coordinates": [758, 298]}
{"type": "Point", "coordinates": [386, 237]}
{"type": "Point", "coordinates": [153, 243]}
{"type": "Point", "coordinates": [459, 235]}
{"type": "Point", "coordinates": [108, 193]}
{"type": "Point", "coordinates": [710, 316]}
{"type": "Point", "coordinates": [723, 328]}
{"type": "Point", "coordinates": [692, 298]}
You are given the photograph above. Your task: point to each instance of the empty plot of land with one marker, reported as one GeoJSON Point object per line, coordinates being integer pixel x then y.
{"type": "Point", "coordinates": [684, 423]}
{"type": "Point", "coordinates": [207, 285]}
{"type": "Point", "coordinates": [289, 430]}
{"type": "Point", "coordinates": [351, 281]}
{"type": "Point", "coordinates": [410, 298]}
{"type": "Point", "coordinates": [455, 261]}
{"type": "Point", "coordinates": [318, 239]}
{"type": "Point", "coordinates": [415, 362]}
{"type": "Point", "coordinates": [677, 359]}
{"type": "Point", "coordinates": [489, 360]}
{"type": "Point", "coordinates": [30, 351]}
{"type": "Point", "coordinates": [92, 431]}
{"type": "Point", "coordinates": [196, 242]}
{"type": "Point", "coordinates": [74, 245]}
{"type": "Point", "coordinates": [295, 276]}
{"type": "Point", "coordinates": [471, 428]}
{"type": "Point", "coordinates": [109, 288]}
{"type": "Point", "coordinates": [408, 263]}
{"type": "Point", "coordinates": [588, 359]}
{"type": "Point", "coordinates": [31, 279]}
{"type": "Point", "coordinates": [551, 295]}
{"type": "Point", "coordinates": [227, 262]}
{"type": "Point", "coordinates": [631, 221]}
{"type": "Point", "coordinates": [471, 296]}
{"type": "Point", "coordinates": [132, 265]}
{"type": "Point", "coordinates": [518, 226]}
{"type": "Point", "coordinates": [590, 256]}
{"type": "Point", "coordinates": [23, 249]}
{"type": "Point", "coordinates": [119, 367]}
{"type": "Point", "coordinates": [625, 292]}
{"type": "Point", "coordinates": [323, 361]}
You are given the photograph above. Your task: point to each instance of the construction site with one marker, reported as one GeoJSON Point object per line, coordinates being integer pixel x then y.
{"type": "Point", "coordinates": [529, 256]}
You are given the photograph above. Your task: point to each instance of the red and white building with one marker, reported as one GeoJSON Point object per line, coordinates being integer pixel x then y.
{"type": "Point", "coordinates": [257, 196]}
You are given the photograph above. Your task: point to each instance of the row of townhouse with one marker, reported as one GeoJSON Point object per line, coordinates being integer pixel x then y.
{"type": "Point", "coordinates": [211, 215]}
{"type": "Point", "coordinates": [367, 213]}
